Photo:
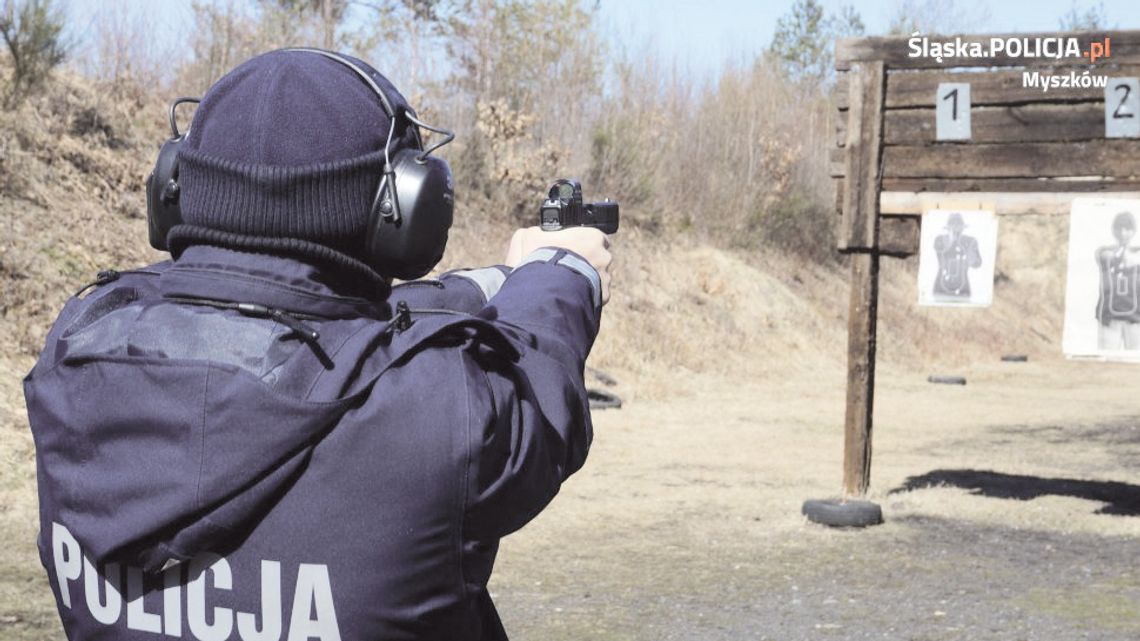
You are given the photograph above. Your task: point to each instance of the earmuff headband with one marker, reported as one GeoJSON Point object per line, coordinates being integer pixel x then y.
{"type": "Point", "coordinates": [448, 136]}
{"type": "Point", "coordinates": [174, 133]}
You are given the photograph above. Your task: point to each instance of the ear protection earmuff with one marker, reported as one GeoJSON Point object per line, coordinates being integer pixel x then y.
{"type": "Point", "coordinates": [162, 191]}
{"type": "Point", "coordinates": [411, 211]}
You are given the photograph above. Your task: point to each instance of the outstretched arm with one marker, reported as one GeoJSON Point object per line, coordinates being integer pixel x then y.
{"type": "Point", "coordinates": [531, 424]}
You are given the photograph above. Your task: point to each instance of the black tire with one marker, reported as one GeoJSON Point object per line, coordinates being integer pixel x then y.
{"type": "Point", "coordinates": [600, 400]}
{"type": "Point", "coordinates": [603, 378]}
{"type": "Point", "coordinates": [1015, 358]}
{"type": "Point", "coordinates": [946, 380]}
{"type": "Point", "coordinates": [843, 513]}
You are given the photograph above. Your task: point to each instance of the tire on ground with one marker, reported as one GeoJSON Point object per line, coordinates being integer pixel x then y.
{"type": "Point", "coordinates": [840, 513]}
{"type": "Point", "coordinates": [946, 380]}
{"type": "Point", "coordinates": [600, 400]}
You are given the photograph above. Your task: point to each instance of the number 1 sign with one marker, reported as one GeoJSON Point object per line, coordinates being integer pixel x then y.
{"type": "Point", "coordinates": [952, 113]}
{"type": "Point", "coordinates": [1122, 108]}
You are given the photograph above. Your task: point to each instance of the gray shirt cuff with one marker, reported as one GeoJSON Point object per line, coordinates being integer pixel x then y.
{"type": "Point", "coordinates": [570, 260]}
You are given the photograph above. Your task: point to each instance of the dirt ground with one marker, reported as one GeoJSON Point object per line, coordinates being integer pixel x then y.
{"type": "Point", "coordinates": [1012, 511]}
{"type": "Point", "coordinates": [685, 523]}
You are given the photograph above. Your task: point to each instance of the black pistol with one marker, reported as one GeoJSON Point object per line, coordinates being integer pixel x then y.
{"type": "Point", "coordinates": [564, 208]}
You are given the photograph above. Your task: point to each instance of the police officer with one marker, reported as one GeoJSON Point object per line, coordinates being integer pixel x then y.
{"type": "Point", "coordinates": [261, 439]}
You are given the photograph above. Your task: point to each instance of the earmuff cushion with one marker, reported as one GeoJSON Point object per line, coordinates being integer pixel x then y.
{"type": "Point", "coordinates": [163, 213]}
{"type": "Point", "coordinates": [411, 248]}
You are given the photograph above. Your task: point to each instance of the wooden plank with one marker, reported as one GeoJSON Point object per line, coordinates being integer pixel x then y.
{"type": "Point", "coordinates": [1027, 123]}
{"type": "Point", "coordinates": [862, 311]}
{"type": "Point", "coordinates": [894, 203]}
{"type": "Point", "coordinates": [1103, 165]}
{"type": "Point", "coordinates": [897, 53]}
{"type": "Point", "coordinates": [987, 88]}
{"type": "Point", "coordinates": [859, 221]}
{"type": "Point", "coordinates": [841, 129]}
{"type": "Point", "coordinates": [1116, 158]}
{"type": "Point", "coordinates": [1078, 184]}
{"type": "Point", "coordinates": [898, 236]}
{"type": "Point", "coordinates": [1083, 184]}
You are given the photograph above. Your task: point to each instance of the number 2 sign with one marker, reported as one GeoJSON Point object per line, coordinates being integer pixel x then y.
{"type": "Point", "coordinates": [952, 111]}
{"type": "Point", "coordinates": [1122, 108]}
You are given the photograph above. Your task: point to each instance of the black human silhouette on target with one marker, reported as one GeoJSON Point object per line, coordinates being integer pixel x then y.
{"type": "Point", "coordinates": [957, 255]}
{"type": "Point", "coordinates": [1118, 305]}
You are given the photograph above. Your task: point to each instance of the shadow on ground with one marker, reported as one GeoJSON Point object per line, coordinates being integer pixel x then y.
{"type": "Point", "coordinates": [1121, 498]}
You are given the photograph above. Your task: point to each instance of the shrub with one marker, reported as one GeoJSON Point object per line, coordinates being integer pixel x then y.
{"type": "Point", "coordinates": [32, 31]}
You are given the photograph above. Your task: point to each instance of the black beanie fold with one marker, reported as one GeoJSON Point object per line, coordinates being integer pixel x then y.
{"type": "Point", "coordinates": [372, 284]}
{"type": "Point", "coordinates": [322, 202]}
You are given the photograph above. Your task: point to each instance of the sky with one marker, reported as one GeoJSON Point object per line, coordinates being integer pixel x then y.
{"type": "Point", "coordinates": [702, 35]}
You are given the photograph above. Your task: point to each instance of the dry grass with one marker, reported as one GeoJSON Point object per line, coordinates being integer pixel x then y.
{"type": "Point", "coordinates": [28, 611]}
{"type": "Point", "coordinates": [72, 168]}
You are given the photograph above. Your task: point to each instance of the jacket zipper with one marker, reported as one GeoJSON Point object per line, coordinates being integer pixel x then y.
{"type": "Point", "coordinates": [111, 275]}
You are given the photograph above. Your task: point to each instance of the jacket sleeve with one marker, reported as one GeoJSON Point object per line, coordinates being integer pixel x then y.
{"type": "Point", "coordinates": [461, 290]}
{"type": "Point", "coordinates": [530, 419]}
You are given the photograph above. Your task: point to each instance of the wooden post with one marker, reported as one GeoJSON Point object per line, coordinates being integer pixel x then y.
{"type": "Point", "coordinates": [860, 237]}
{"type": "Point", "coordinates": [861, 318]}
{"type": "Point", "coordinates": [859, 226]}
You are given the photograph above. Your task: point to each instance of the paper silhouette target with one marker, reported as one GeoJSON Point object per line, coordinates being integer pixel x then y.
{"type": "Point", "coordinates": [956, 260]}
{"type": "Point", "coordinates": [1102, 297]}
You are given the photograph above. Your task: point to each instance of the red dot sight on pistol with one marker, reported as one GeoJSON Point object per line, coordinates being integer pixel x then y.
{"type": "Point", "coordinates": [564, 208]}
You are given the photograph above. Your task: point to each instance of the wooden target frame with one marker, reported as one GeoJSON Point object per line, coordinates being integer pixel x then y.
{"type": "Point", "coordinates": [1029, 149]}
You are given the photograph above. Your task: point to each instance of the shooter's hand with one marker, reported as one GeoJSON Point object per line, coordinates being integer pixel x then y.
{"type": "Point", "coordinates": [591, 244]}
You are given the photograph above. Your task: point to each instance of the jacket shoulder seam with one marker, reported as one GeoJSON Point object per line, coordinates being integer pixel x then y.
{"type": "Point", "coordinates": [202, 441]}
{"type": "Point", "coordinates": [466, 487]}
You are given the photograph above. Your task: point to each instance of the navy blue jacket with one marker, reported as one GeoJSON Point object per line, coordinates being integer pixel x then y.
{"type": "Point", "coordinates": [209, 469]}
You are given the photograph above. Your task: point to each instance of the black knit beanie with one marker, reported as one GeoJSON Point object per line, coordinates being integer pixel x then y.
{"type": "Point", "coordinates": [284, 155]}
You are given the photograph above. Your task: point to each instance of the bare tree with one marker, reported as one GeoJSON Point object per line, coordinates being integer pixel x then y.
{"type": "Point", "coordinates": [124, 54]}
{"type": "Point", "coordinates": [1092, 18]}
{"type": "Point", "coordinates": [329, 15]}
{"type": "Point", "coordinates": [937, 16]}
